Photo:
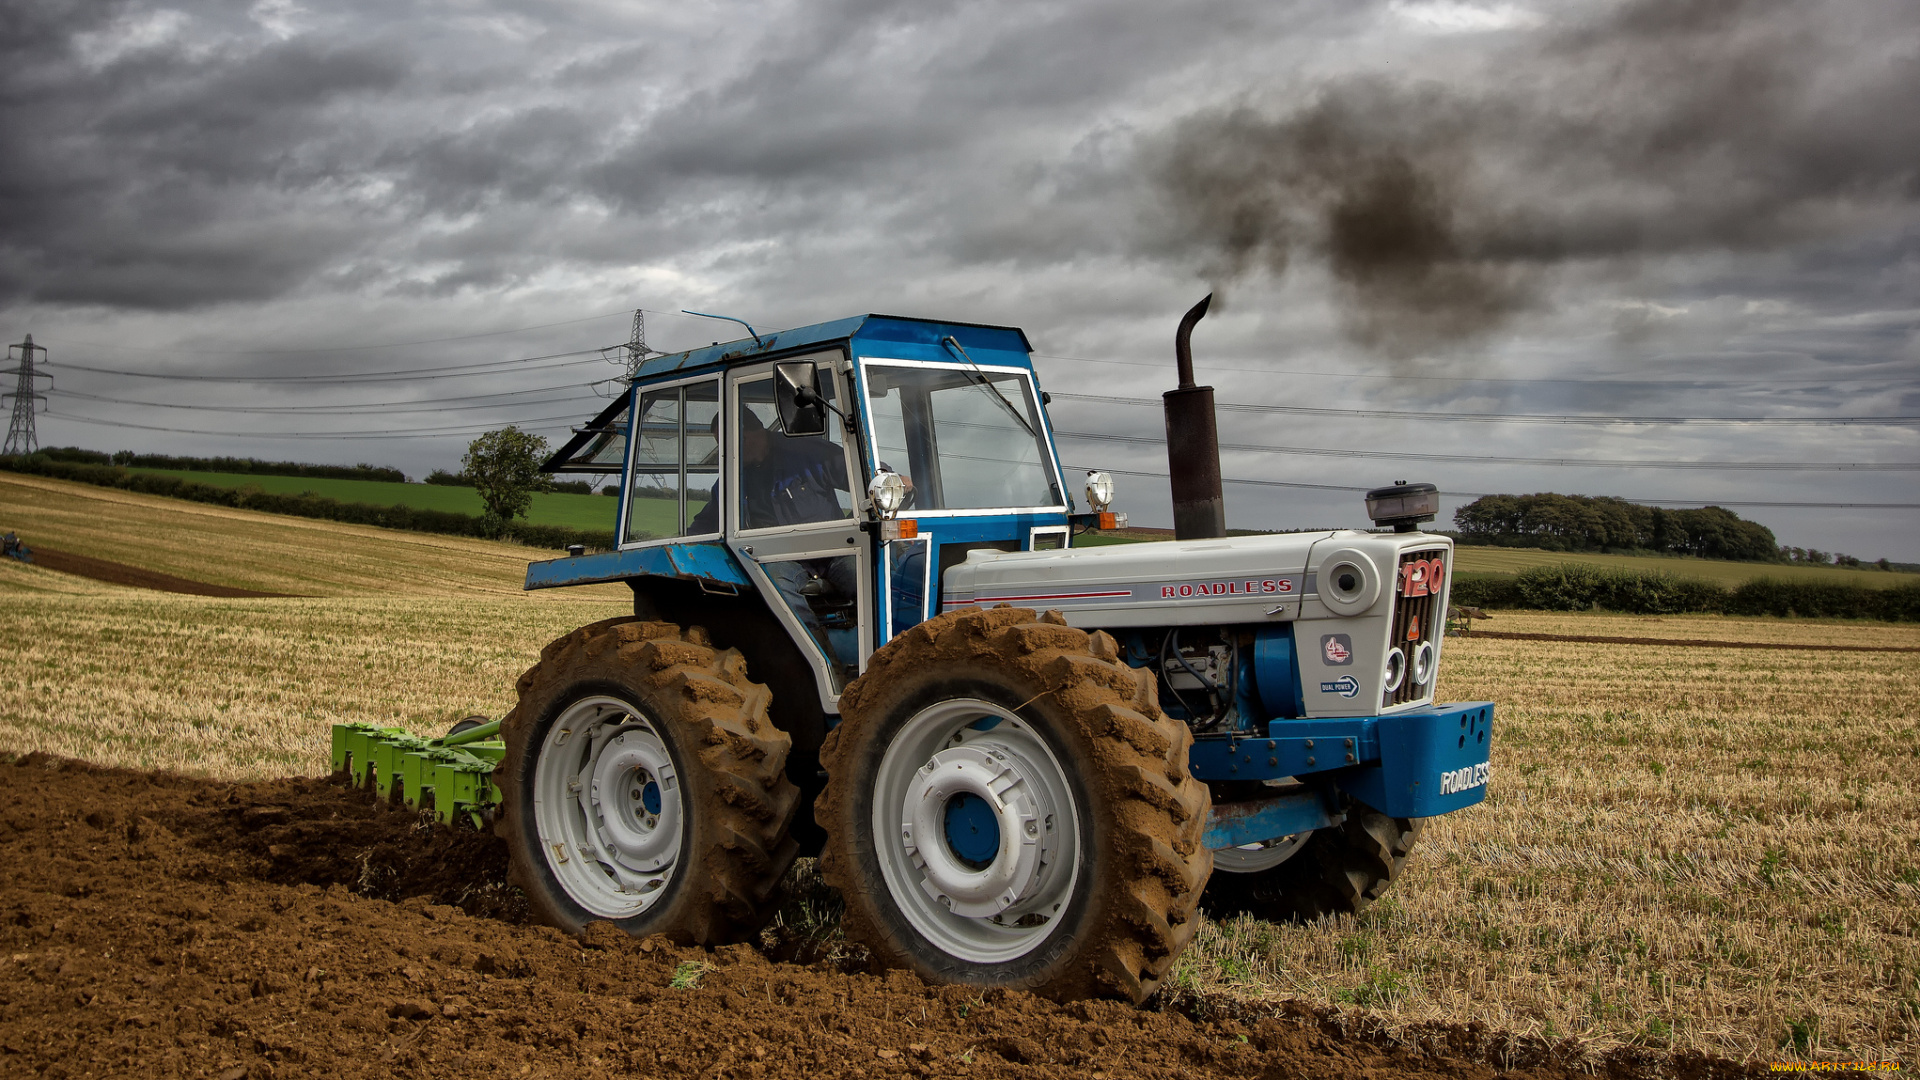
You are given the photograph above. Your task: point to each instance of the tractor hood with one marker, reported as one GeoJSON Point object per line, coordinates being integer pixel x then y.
{"type": "Point", "coordinates": [1355, 588]}
{"type": "Point", "coordinates": [1237, 579]}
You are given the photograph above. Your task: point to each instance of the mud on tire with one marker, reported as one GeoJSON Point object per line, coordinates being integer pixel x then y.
{"type": "Point", "coordinates": [1057, 703]}
{"type": "Point", "coordinates": [700, 737]}
{"type": "Point", "coordinates": [1340, 870]}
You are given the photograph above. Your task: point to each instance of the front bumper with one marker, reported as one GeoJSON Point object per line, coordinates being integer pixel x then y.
{"type": "Point", "coordinates": [1413, 765]}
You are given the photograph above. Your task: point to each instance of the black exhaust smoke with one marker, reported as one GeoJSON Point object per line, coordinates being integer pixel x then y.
{"type": "Point", "coordinates": [1193, 444]}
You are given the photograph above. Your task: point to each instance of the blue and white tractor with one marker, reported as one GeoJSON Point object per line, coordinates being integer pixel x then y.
{"type": "Point", "coordinates": [863, 630]}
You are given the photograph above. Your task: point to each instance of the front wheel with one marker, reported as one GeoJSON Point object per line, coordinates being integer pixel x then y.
{"type": "Point", "coordinates": [1339, 870]}
{"type": "Point", "coordinates": [643, 784]}
{"type": "Point", "coordinates": [1007, 806]}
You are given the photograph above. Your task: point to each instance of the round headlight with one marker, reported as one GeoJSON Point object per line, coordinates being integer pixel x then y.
{"type": "Point", "coordinates": [1396, 669]}
{"type": "Point", "coordinates": [1423, 664]}
{"type": "Point", "coordinates": [1348, 582]}
{"type": "Point", "coordinates": [1099, 491]}
{"type": "Point", "coordinates": [887, 491]}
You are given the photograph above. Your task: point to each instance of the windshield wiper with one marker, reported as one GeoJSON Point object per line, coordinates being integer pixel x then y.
{"type": "Point", "coordinates": [980, 378]}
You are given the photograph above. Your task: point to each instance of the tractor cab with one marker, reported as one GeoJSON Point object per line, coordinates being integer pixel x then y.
{"type": "Point", "coordinates": [835, 471]}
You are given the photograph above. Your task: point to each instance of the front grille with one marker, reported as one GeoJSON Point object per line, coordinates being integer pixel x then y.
{"type": "Point", "coordinates": [1416, 619]}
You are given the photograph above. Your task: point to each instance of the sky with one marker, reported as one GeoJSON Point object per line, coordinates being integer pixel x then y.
{"type": "Point", "coordinates": [258, 230]}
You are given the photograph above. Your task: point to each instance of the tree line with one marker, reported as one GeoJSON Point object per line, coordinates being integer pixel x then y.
{"type": "Point", "coordinates": [1609, 523]}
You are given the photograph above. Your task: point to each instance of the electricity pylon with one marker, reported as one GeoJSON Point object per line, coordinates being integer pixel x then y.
{"type": "Point", "coordinates": [637, 346]}
{"type": "Point", "coordinates": [21, 438]}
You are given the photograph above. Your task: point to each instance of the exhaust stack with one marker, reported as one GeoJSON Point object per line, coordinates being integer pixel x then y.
{"type": "Point", "coordinates": [1193, 444]}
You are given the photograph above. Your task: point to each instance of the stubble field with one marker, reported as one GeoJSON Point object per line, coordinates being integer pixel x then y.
{"type": "Point", "coordinates": [1682, 847]}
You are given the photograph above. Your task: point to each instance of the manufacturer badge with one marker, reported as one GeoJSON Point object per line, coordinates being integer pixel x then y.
{"type": "Point", "coordinates": [1454, 781]}
{"type": "Point", "coordinates": [1345, 686]}
{"type": "Point", "coordinates": [1337, 648]}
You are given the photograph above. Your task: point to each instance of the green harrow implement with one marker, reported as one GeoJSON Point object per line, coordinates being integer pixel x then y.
{"type": "Point", "coordinates": [457, 769]}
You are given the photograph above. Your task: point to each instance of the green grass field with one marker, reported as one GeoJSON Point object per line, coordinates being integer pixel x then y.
{"type": "Point", "coordinates": [549, 508]}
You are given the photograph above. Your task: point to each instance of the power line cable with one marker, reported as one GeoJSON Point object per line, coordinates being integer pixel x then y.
{"type": "Point", "coordinates": [448, 371]}
{"type": "Point", "coordinates": [1828, 380]}
{"type": "Point", "coordinates": [409, 433]}
{"type": "Point", "coordinates": [117, 347]}
{"type": "Point", "coordinates": [1484, 459]}
{"type": "Point", "coordinates": [361, 348]}
{"type": "Point", "coordinates": [1510, 418]}
{"type": "Point", "coordinates": [1484, 494]}
{"type": "Point", "coordinates": [348, 409]}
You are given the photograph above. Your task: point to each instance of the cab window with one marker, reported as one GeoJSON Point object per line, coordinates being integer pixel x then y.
{"type": "Point", "coordinates": [676, 471]}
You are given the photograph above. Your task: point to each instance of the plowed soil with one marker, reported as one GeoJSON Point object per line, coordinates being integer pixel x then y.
{"type": "Point", "coordinates": [116, 573]}
{"type": "Point", "coordinates": [161, 926]}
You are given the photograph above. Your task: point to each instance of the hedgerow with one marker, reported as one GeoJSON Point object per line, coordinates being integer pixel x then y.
{"type": "Point", "coordinates": [1582, 586]}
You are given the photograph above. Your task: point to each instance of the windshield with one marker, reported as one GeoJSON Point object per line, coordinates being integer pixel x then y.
{"type": "Point", "coordinates": [967, 438]}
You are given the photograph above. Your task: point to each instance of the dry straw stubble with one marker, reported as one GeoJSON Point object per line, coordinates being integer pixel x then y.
{"type": "Point", "coordinates": [1682, 846]}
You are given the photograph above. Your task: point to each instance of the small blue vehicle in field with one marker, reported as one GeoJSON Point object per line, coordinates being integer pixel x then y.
{"type": "Point", "coordinates": [862, 630]}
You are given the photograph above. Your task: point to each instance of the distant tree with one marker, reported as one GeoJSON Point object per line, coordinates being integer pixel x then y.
{"type": "Point", "coordinates": [504, 467]}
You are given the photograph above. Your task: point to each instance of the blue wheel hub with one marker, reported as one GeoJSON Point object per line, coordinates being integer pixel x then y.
{"type": "Point", "coordinates": [973, 832]}
{"type": "Point", "coordinates": [650, 797]}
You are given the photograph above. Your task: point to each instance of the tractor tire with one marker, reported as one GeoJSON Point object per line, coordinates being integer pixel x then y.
{"type": "Point", "coordinates": [644, 785]}
{"type": "Point", "coordinates": [1338, 870]}
{"type": "Point", "coordinates": [466, 724]}
{"type": "Point", "coordinates": [1006, 805]}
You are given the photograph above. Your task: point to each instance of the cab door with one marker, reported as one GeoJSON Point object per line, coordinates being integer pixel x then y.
{"type": "Point", "coordinates": [794, 521]}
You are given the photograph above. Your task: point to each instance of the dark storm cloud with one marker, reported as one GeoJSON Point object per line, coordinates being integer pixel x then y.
{"type": "Point", "coordinates": [1657, 128]}
{"type": "Point", "coordinates": [170, 175]}
{"type": "Point", "coordinates": [1710, 202]}
{"type": "Point", "coordinates": [529, 156]}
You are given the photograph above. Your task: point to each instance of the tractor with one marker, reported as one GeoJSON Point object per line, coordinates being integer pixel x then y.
{"type": "Point", "coordinates": [868, 626]}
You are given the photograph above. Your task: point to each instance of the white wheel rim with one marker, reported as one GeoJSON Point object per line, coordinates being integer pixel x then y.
{"type": "Point", "coordinates": [607, 807]}
{"type": "Point", "coordinates": [981, 909]}
{"type": "Point", "coordinates": [1253, 858]}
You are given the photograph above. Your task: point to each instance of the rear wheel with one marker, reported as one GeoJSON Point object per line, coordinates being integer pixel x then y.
{"type": "Point", "coordinates": [643, 784]}
{"type": "Point", "coordinates": [1007, 806]}
{"type": "Point", "coordinates": [466, 724]}
{"type": "Point", "coordinates": [1340, 869]}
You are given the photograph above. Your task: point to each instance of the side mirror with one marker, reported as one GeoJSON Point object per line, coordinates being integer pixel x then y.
{"type": "Point", "coordinates": [796, 393]}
